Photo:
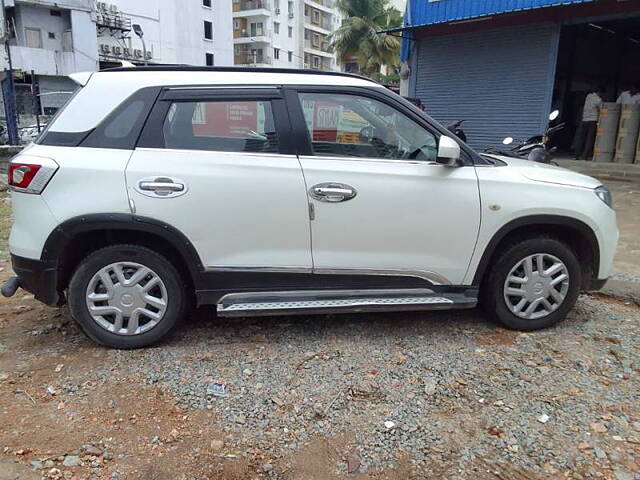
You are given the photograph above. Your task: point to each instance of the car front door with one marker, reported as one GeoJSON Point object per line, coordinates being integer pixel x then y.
{"type": "Point", "coordinates": [380, 202]}
{"type": "Point", "coordinates": [216, 165]}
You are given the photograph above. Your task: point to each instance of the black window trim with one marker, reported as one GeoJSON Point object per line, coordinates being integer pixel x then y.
{"type": "Point", "coordinates": [152, 135]}
{"type": "Point", "coordinates": [303, 139]}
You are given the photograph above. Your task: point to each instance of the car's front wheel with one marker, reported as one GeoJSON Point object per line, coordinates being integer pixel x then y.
{"type": "Point", "coordinates": [126, 296]}
{"type": "Point", "coordinates": [533, 284]}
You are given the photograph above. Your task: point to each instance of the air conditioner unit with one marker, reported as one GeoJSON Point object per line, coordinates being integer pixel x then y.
{"type": "Point", "coordinates": [277, 11]}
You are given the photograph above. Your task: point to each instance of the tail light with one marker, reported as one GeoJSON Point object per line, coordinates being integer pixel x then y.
{"type": "Point", "coordinates": [30, 174]}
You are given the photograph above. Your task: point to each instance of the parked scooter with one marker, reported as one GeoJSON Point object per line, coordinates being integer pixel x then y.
{"type": "Point", "coordinates": [456, 129]}
{"type": "Point", "coordinates": [535, 148]}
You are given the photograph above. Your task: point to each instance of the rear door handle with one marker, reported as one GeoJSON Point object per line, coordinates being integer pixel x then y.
{"type": "Point", "coordinates": [332, 192]}
{"type": "Point", "coordinates": [161, 187]}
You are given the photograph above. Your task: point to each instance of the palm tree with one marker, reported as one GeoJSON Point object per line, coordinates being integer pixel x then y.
{"type": "Point", "coordinates": [357, 36]}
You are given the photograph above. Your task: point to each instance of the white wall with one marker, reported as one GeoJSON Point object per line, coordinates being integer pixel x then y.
{"type": "Point", "coordinates": [174, 30]}
{"type": "Point", "coordinates": [85, 43]}
{"type": "Point", "coordinates": [41, 18]}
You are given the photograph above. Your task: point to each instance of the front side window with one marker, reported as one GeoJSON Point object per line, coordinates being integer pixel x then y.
{"type": "Point", "coordinates": [226, 126]}
{"type": "Point", "coordinates": [357, 126]}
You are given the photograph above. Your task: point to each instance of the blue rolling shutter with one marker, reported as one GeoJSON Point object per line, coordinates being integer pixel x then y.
{"type": "Point", "coordinates": [500, 81]}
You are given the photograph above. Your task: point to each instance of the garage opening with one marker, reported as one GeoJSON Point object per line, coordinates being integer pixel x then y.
{"type": "Point", "coordinates": [597, 53]}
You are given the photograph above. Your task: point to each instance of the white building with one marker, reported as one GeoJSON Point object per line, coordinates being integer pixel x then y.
{"type": "Point", "coordinates": [54, 38]}
{"type": "Point", "coordinates": [192, 32]}
{"type": "Point", "coordinates": [284, 33]}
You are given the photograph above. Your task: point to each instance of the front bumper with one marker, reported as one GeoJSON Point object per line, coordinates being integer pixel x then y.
{"type": "Point", "coordinates": [39, 277]}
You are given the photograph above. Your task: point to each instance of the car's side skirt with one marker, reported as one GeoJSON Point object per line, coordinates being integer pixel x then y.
{"type": "Point", "coordinates": [340, 301]}
{"type": "Point", "coordinates": [215, 284]}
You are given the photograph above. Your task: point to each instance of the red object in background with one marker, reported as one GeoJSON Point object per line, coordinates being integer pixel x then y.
{"type": "Point", "coordinates": [225, 119]}
{"type": "Point", "coordinates": [325, 121]}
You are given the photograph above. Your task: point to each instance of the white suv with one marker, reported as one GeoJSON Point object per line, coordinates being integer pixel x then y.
{"type": "Point", "coordinates": [268, 191]}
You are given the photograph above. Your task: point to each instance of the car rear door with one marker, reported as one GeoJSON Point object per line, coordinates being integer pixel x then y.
{"type": "Point", "coordinates": [381, 203]}
{"type": "Point", "coordinates": [217, 164]}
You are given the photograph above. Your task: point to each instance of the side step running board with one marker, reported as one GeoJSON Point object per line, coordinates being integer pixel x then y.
{"type": "Point", "coordinates": [339, 301]}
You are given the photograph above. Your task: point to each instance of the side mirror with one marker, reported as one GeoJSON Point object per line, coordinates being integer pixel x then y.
{"type": "Point", "coordinates": [448, 151]}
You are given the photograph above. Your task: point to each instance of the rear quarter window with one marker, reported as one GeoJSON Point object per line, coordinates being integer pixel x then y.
{"type": "Point", "coordinates": [120, 129]}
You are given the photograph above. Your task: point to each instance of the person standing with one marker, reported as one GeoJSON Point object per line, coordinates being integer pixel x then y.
{"type": "Point", "coordinates": [584, 140]}
{"type": "Point", "coordinates": [630, 97]}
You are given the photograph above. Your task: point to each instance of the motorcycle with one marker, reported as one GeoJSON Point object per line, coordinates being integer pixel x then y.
{"type": "Point", "coordinates": [456, 129]}
{"type": "Point", "coordinates": [534, 148]}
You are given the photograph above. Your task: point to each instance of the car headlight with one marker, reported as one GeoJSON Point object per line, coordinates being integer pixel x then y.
{"type": "Point", "coordinates": [604, 194]}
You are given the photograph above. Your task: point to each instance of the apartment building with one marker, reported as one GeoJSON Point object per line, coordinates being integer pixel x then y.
{"type": "Point", "coordinates": [284, 33]}
{"type": "Point", "coordinates": [320, 20]}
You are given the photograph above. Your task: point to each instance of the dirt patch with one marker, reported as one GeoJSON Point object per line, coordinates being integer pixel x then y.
{"type": "Point", "coordinates": [499, 336]}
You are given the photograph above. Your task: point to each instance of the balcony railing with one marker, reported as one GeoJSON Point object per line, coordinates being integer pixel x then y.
{"type": "Point", "coordinates": [248, 34]}
{"type": "Point", "coordinates": [250, 59]}
{"type": "Point", "coordinates": [322, 23]}
{"type": "Point", "coordinates": [324, 3]}
{"type": "Point", "coordinates": [322, 47]}
{"type": "Point", "coordinates": [243, 5]}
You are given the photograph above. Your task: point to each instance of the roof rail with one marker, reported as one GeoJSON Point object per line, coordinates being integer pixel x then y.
{"type": "Point", "coordinates": [191, 68]}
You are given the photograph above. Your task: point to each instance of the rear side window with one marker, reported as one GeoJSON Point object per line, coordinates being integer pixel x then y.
{"type": "Point", "coordinates": [120, 129]}
{"type": "Point", "coordinates": [123, 125]}
{"type": "Point", "coordinates": [221, 125]}
{"type": "Point", "coordinates": [125, 121]}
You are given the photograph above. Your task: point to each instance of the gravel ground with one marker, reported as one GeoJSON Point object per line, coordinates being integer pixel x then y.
{"type": "Point", "coordinates": [447, 395]}
{"type": "Point", "coordinates": [428, 385]}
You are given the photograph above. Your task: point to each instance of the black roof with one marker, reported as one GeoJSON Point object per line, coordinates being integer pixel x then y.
{"type": "Point", "coordinates": [191, 68]}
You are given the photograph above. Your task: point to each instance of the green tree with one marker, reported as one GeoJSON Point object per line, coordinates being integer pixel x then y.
{"type": "Point", "coordinates": [357, 36]}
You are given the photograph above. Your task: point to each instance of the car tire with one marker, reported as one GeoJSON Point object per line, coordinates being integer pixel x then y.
{"type": "Point", "coordinates": [127, 296]}
{"type": "Point", "coordinates": [517, 280]}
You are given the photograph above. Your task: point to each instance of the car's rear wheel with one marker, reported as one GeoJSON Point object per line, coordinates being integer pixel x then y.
{"type": "Point", "coordinates": [533, 284]}
{"type": "Point", "coordinates": [126, 296]}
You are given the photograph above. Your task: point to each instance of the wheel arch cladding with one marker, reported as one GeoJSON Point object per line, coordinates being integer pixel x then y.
{"type": "Point", "coordinates": [575, 233]}
{"type": "Point", "coordinates": [76, 238]}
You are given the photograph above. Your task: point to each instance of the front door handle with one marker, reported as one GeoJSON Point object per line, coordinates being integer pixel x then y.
{"type": "Point", "coordinates": [332, 192]}
{"type": "Point", "coordinates": [161, 187]}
